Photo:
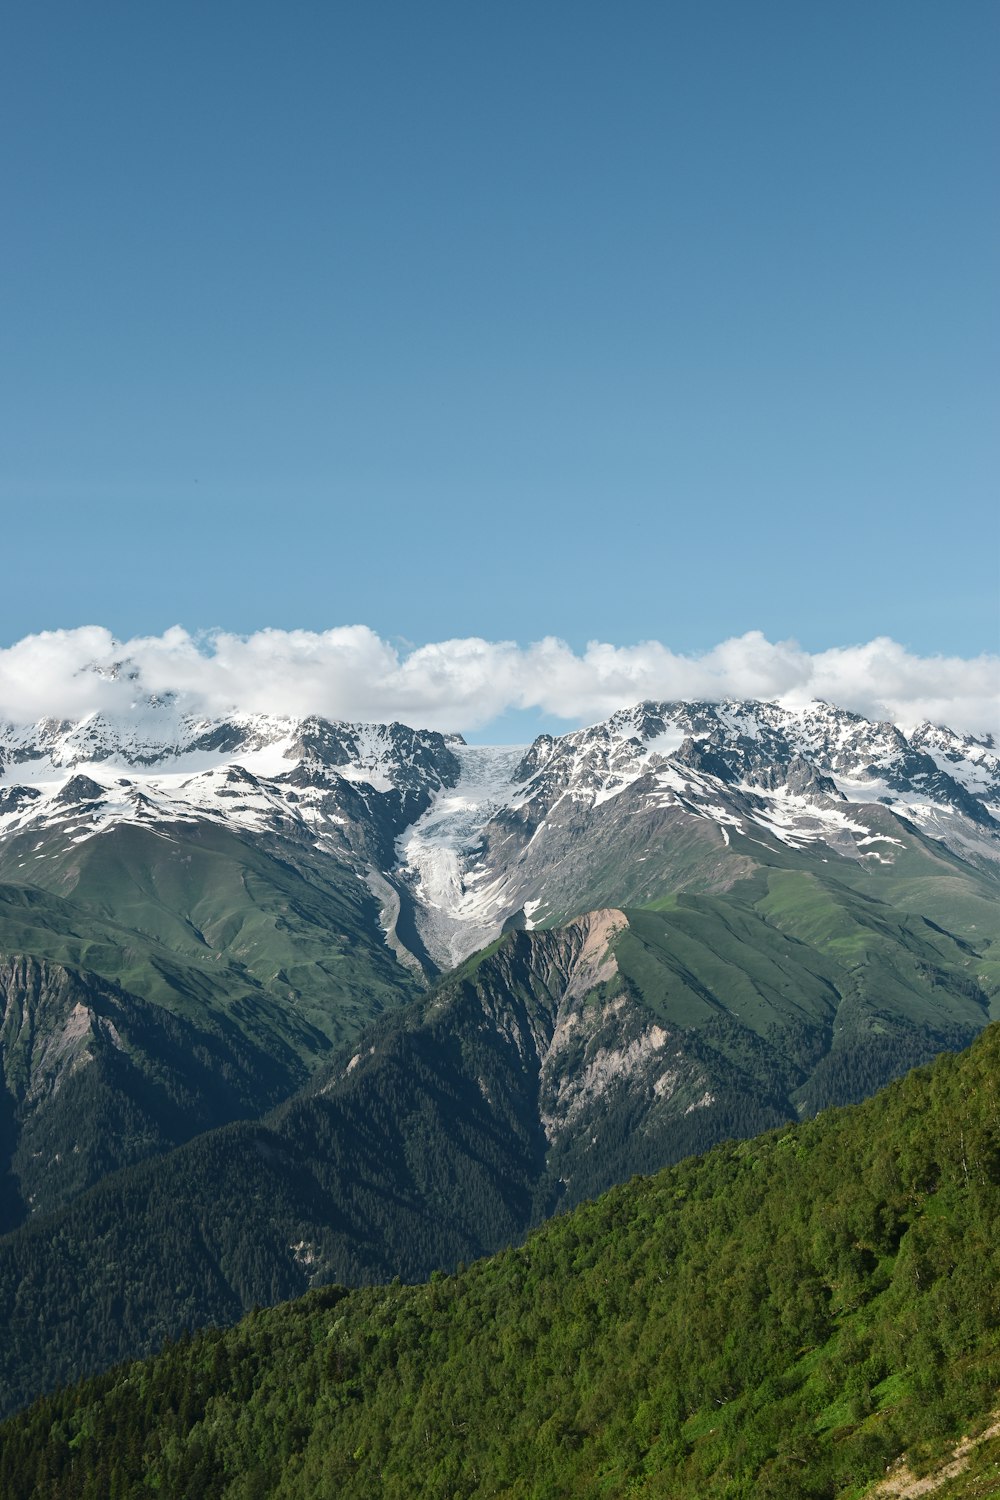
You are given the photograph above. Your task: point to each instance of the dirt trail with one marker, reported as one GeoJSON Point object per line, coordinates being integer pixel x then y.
{"type": "Point", "coordinates": [903, 1485]}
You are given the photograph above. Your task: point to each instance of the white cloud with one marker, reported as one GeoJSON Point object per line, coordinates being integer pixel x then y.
{"type": "Point", "coordinates": [351, 673]}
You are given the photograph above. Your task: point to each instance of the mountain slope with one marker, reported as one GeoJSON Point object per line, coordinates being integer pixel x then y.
{"type": "Point", "coordinates": [227, 952]}
{"type": "Point", "coordinates": [780, 1319]}
{"type": "Point", "coordinates": [549, 1067]}
{"type": "Point", "coordinates": [240, 922]}
{"type": "Point", "coordinates": [96, 1078]}
{"type": "Point", "coordinates": [717, 918]}
{"type": "Point", "coordinates": [678, 796]}
{"type": "Point", "coordinates": [458, 840]}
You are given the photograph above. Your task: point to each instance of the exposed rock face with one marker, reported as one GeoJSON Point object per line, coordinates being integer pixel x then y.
{"type": "Point", "coordinates": [80, 789]}
{"type": "Point", "coordinates": [553, 1039]}
{"type": "Point", "coordinates": [93, 1078]}
{"type": "Point", "coordinates": [624, 1039]}
{"type": "Point", "coordinates": [48, 1029]}
{"type": "Point", "coordinates": [54, 1027]}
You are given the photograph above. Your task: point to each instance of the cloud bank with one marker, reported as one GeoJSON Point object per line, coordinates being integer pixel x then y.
{"type": "Point", "coordinates": [351, 673]}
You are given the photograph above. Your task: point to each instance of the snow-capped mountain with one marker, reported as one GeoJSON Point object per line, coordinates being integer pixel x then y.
{"type": "Point", "coordinates": [672, 795]}
{"type": "Point", "coordinates": [459, 840]}
{"type": "Point", "coordinates": [718, 917]}
{"type": "Point", "coordinates": [344, 787]}
{"type": "Point", "coordinates": [763, 747]}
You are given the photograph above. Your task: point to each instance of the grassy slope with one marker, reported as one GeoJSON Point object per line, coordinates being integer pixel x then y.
{"type": "Point", "coordinates": [195, 917]}
{"type": "Point", "coordinates": [652, 857]}
{"type": "Point", "coordinates": [429, 1149]}
{"type": "Point", "coordinates": [227, 970]}
{"type": "Point", "coordinates": [207, 989]}
{"type": "Point", "coordinates": [777, 1320]}
{"type": "Point", "coordinates": [924, 880]}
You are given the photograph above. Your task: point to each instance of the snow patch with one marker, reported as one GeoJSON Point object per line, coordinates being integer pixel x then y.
{"type": "Point", "coordinates": [434, 853]}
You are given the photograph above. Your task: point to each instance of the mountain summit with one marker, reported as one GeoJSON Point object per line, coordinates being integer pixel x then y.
{"type": "Point", "coordinates": [458, 840]}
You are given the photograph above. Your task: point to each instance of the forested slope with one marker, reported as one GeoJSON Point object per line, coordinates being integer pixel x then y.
{"type": "Point", "coordinates": [547, 1068]}
{"type": "Point", "coordinates": [780, 1318]}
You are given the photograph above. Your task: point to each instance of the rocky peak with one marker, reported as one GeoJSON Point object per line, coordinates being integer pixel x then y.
{"type": "Point", "coordinates": [80, 789]}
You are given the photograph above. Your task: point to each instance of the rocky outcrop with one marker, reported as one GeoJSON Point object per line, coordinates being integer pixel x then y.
{"type": "Point", "coordinates": [49, 1027]}
{"type": "Point", "coordinates": [93, 1078]}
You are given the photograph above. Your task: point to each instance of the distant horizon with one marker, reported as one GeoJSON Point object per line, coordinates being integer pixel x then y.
{"type": "Point", "coordinates": [490, 692]}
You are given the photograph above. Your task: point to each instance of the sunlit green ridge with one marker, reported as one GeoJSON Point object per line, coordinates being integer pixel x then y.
{"type": "Point", "coordinates": [780, 1318]}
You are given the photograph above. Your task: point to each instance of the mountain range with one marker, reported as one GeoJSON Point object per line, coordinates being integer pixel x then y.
{"type": "Point", "coordinates": [290, 1001]}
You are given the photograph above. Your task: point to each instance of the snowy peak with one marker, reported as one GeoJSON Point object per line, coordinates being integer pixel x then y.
{"type": "Point", "coordinates": [973, 762]}
{"type": "Point", "coordinates": [386, 756]}
{"type": "Point", "coordinates": [154, 733]}
{"type": "Point", "coordinates": [157, 736]}
{"type": "Point", "coordinates": [816, 750]}
{"type": "Point", "coordinates": [344, 787]}
{"type": "Point", "coordinates": [458, 841]}
{"type": "Point", "coordinates": [655, 796]}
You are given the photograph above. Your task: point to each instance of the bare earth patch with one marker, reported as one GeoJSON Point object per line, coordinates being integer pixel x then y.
{"type": "Point", "coordinates": [902, 1484]}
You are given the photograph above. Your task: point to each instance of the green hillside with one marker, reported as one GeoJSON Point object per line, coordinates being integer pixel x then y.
{"type": "Point", "coordinates": [645, 856]}
{"type": "Point", "coordinates": [547, 1068]}
{"type": "Point", "coordinates": [835, 982]}
{"type": "Point", "coordinates": [209, 974]}
{"type": "Point", "coordinates": [777, 1320]}
{"type": "Point", "coordinates": [95, 1078]}
{"type": "Point", "coordinates": [193, 916]}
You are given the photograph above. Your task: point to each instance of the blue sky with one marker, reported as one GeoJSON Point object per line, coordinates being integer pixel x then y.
{"type": "Point", "coordinates": [656, 321]}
